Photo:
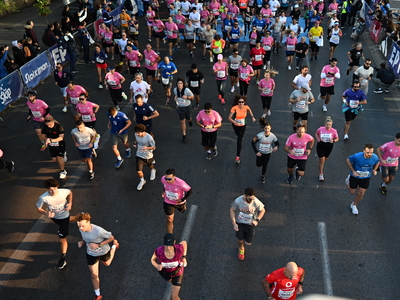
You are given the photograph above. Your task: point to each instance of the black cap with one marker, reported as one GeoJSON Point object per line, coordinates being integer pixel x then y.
{"type": "Point", "coordinates": [169, 239]}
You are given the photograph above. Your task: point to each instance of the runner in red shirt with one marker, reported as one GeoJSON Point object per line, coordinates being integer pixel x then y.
{"type": "Point", "coordinates": [257, 54]}
{"type": "Point", "coordinates": [285, 283]}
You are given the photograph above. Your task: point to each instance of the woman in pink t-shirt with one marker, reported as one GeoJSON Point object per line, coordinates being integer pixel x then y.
{"type": "Point", "coordinates": [325, 136]}
{"type": "Point", "coordinates": [220, 70]}
{"type": "Point", "coordinates": [87, 110]}
{"type": "Point", "coordinates": [73, 91]}
{"type": "Point", "coordinates": [291, 42]}
{"type": "Point", "coordinates": [245, 73]}
{"type": "Point", "coordinates": [296, 147]}
{"type": "Point", "coordinates": [267, 42]}
{"type": "Point", "coordinates": [172, 35]}
{"type": "Point", "coordinates": [113, 82]}
{"type": "Point", "coordinates": [150, 14]}
{"type": "Point", "coordinates": [267, 87]}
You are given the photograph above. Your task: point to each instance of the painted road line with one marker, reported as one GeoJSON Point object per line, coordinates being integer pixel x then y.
{"type": "Point", "coordinates": [187, 230]}
{"type": "Point", "coordinates": [326, 268]}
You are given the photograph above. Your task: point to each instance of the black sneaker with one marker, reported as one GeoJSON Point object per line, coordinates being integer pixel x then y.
{"type": "Point", "coordinates": [184, 139]}
{"type": "Point", "coordinates": [61, 263]}
{"type": "Point", "coordinates": [298, 177]}
{"type": "Point", "coordinates": [262, 179]}
{"type": "Point", "coordinates": [386, 90]}
{"type": "Point", "coordinates": [167, 103]}
{"type": "Point", "coordinates": [208, 156]}
{"type": "Point", "coordinates": [214, 151]}
{"type": "Point", "coordinates": [190, 123]}
{"type": "Point", "coordinates": [347, 72]}
{"type": "Point", "coordinates": [383, 189]}
{"type": "Point", "coordinates": [294, 128]}
{"type": "Point", "coordinates": [290, 179]}
{"type": "Point", "coordinates": [10, 166]}
{"type": "Point", "coordinates": [378, 91]}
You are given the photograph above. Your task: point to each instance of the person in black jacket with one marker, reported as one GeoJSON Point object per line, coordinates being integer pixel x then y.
{"type": "Point", "coordinates": [51, 37]}
{"type": "Point", "coordinates": [18, 53]}
{"type": "Point", "coordinates": [62, 78]}
{"type": "Point", "coordinates": [30, 32]}
{"type": "Point", "coordinates": [71, 50]}
{"type": "Point", "coordinates": [66, 25]}
{"type": "Point", "coordinates": [384, 79]}
{"type": "Point", "coordinates": [84, 36]}
{"type": "Point", "coordinates": [30, 50]}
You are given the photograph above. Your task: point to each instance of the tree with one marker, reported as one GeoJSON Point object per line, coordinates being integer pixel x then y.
{"type": "Point", "coordinates": [43, 8]}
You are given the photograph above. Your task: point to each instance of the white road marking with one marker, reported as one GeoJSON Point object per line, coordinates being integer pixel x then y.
{"type": "Point", "coordinates": [326, 268]}
{"type": "Point", "coordinates": [187, 229]}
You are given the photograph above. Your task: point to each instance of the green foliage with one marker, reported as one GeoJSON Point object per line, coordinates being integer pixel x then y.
{"type": "Point", "coordinates": [43, 7]}
{"type": "Point", "coordinates": [7, 6]}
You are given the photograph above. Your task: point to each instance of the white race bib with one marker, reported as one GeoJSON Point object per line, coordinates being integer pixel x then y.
{"type": "Point", "coordinates": [391, 160]}
{"type": "Point", "coordinates": [290, 47]}
{"type": "Point", "coordinates": [86, 118]}
{"type": "Point", "coordinates": [267, 47]}
{"type": "Point", "coordinates": [57, 208]}
{"type": "Point", "coordinates": [329, 80]}
{"type": "Point", "coordinates": [36, 114]}
{"type": "Point", "coordinates": [353, 103]}
{"type": "Point", "coordinates": [258, 57]}
{"type": "Point", "coordinates": [301, 104]}
{"type": "Point", "coordinates": [245, 218]}
{"type": "Point", "coordinates": [194, 83]}
{"type": "Point", "coordinates": [221, 74]}
{"type": "Point", "coordinates": [298, 152]}
{"type": "Point", "coordinates": [74, 100]}
{"type": "Point", "coordinates": [171, 195]}
{"type": "Point", "coordinates": [326, 137]}
{"type": "Point", "coordinates": [132, 63]}
{"type": "Point", "coordinates": [363, 173]}
{"type": "Point", "coordinates": [170, 265]}
{"type": "Point", "coordinates": [285, 294]}
{"type": "Point", "coordinates": [265, 147]}
{"type": "Point", "coordinates": [165, 81]}
{"type": "Point", "coordinates": [99, 60]}
{"type": "Point", "coordinates": [147, 61]}
{"type": "Point", "coordinates": [244, 76]}
{"type": "Point", "coordinates": [234, 66]}
{"type": "Point", "coordinates": [235, 36]}
{"type": "Point", "coordinates": [240, 121]}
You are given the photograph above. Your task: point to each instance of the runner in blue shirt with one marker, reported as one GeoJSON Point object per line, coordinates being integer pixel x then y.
{"type": "Point", "coordinates": [118, 122]}
{"type": "Point", "coordinates": [167, 69]}
{"type": "Point", "coordinates": [362, 165]}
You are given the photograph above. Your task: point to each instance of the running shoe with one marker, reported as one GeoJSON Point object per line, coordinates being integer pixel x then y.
{"type": "Point", "coordinates": [167, 103]}
{"type": "Point", "coordinates": [91, 175]}
{"type": "Point", "coordinates": [94, 153]}
{"type": "Point", "coordinates": [124, 96]}
{"type": "Point", "coordinates": [112, 57]}
{"type": "Point", "coordinates": [197, 106]}
{"type": "Point", "coordinates": [214, 151]}
{"type": "Point", "coordinates": [383, 189]}
{"type": "Point", "coordinates": [63, 174]}
{"type": "Point", "coordinates": [268, 112]}
{"type": "Point", "coordinates": [290, 179]}
{"type": "Point", "coordinates": [61, 263]}
{"type": "Point", "coordinates": [319, 96]}
{"type": "Point", "coordinates": [386, 90]}
{"type": "Point", "coordinates": [190, 123]}
{"type": "Point", "coordinates": [289, 68]}
{"type": "Point", "coordinates": [10, 166]}
{"type": "Point", "coordinates": [257, 82]}
{"type": "Point", "coordinates": [152, 174]}
{"type": "Point", "coordinates": [43, 147]}
{"type": "Point", "coordinates": [321, 177]}
{"type": "Point", "coordinates": [264, 67]}
{"type": "Point", "coordinates": [298, 177]}
{"type": "Point", "coordinates": [98, 297]}
{"type": "Point", "coordinates": [262, 179]}
{"type": "Point", "coordinates": [347, 72]}
{"type": "Point", "coordinates": [222, 101]}
{"type": "Point", "coordinates": [170, 58]}
{"type": "Point", "coordinates": [347, 180]}
{"type": "Point", "coordinates": [378, 91]}
{"type": "Point", "coordinates": [316, 58]}
{"type": "Point", "coordinates": [128, 153]}
{"type": "Point", "coordinates": [232, 89]}
{"type": "Point", "coordinates": [346, 137]}
{"type": "Point", "coordinates": [324, 108]}
{"type": "Point", "coordinates": [237, 160]}
{"type": "Point", "coordinates": [65, 109]}
{"type": "Point", "coordinates": [354, 209]}
{"type": "Point", "coordinates": [237, 84]}
{"type": "Point", "coordinates": [211, 59]}
{"type": "Point", "coordinates": [208, 156]}
{"type": "Point", "coordinates": [241, 254]}
{"type": "Point", "coordinates": [311, 59]}
{"type": "Point", "coordinates": [65, 158]}
{"type": "Point", "coordinates": [117, 107]}
{"type": "Point", "coordinates": [115, 242]}
{"type": "Point", "coordinates": [184, 139]}
{"type": "Point", "coordinates": [141, 184]}
{"type": "Point", "coordinates": [263, 116]}
{"type": "Point", "coordinates": [119, 163]}
{"type": "Point", "coordinates": [100, 86]}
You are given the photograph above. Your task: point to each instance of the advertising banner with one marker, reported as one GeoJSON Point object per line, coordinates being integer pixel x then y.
{"type": "Point", "coordinates": [394, 59]}
{"type": "Point", "coordinates": [57, 55]}
{"type": "Point", "coordinates": [36, 70]}
{"type": "Point", "coordinates": [11, 89]}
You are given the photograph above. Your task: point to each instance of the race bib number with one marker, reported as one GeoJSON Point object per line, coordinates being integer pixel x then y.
{"type": "Point", "coordinates": [165, 81]}
{"type": "Point", "coordinates": [239, 121]}
{"type": "Point", "coordinates": [74, 100]}
{"type": "Point", "coordinates": [132, 63]}
{"type": "Point", "coordinates": [94, 251]}
{"type": "Point", "coordinates": [301, 104]}
{"type": "Point", "coordinates": [265, 147]}
{"type": "Point", "coordinates": [248, 19]}
{"type": "Point", "coordinates": [267, 47]}
{"type": "Point", "coordinates": [112, 83]}
{"type": "Point", "coordinates": [57, 208]}
{"type": "Point", "coordinates": [326, 137]}
{"type": "Point", "coordinates": [99, 60]}
{"type": "Point", "coordinates": [221, 74]}
{"type": "Point", "coordinates": [86, 118]}
{"type": "Point", "coordinates": [245, 218]}
{"type": "Point", "coordinates": [170, 265]}
{"type": "Point", "coordinates": [290, 47]}
{"type": "Point", "coordinates": [391, 160]}
{"type": "Point", "coordinates": [147, 61]}
{"type": "Point", "coordinates": [267, 91]}
{"type": "Point", "coordinates": [227, 28]}
{"type": "Point", "coordinates": [285, 294]}
{"type": "Point", "coordinates": [235, 36]}
{"type": "Point", "coordinates": [335, 39]}
{"type": "Point", "coordinates": [84, 140]}
{"type": "Point", "coordinates": [329, 80]}
{"type": "Point", "coordinates": [299, 152]}
{"type": "Point", "coordinates": [54, 144]}
{"type": "Point", "coordinates": [181, 102]}
{"type": "Point", "coordinates": [234, 66]}
{"type": "Point", "coordinates": [132, 29]}
{"type": "Point", "coordinates": [353, 103]}
{"type": "Point", "coordinates": [258, 57]}
{"type": "Point", "coordinates": [169, 33]}
{"type": "Point", "coordinates": [107, 39]}
{"type": "Point", "coordinates": [123, 22]}
{"type": "Point", "coordinates": [259, 28]}
{"type": "Point", "coordinates": [244, 76]}
{"type": "Point", "coordinates": [172, 195]}
{"type": "Point", "coordinates": [363, 173]}
{"type": "Point", "coordinates": [36, 114]}
{"type": "Point", "coordinates": [194, 84]}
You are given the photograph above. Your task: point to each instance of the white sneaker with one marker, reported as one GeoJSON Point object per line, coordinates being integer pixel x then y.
{"type": "Point", "coordinates": [124, 96]}
{"type": "Point", "coordinates": [65, 109]}
{"type": "Point", "coordinates": [152, 174]}
{"type": "Point", "coordinates": [211, 59]}
{"type": "Point", "coordinates": [264, 67]}
{"type": "Point", "coordinates": [268, 112]}
{"type": "Point", "coordinates": [319, 97]}
{"type": "Point", "coordinates": [63, 174]}
{"type": "Point", "coordinates": [100, 86]}
{"type": "Point", "coordinates": [347, 180]}
{"type": "Point", "coordinates": [232, 89]}
{"type": "Point", "coordinates": [289, 68]}
{"type": "Point", "coordinates": [354, 209]}
{"type": "Point", "coordinates": [321, 177]}
{"type": "Point", "coordinates": [65, 158]}
{"type": "Point", "coordinates": [237, 84]}
{"type": "Point", "coordinates": [141, 184]}
{"type": "Point", "coordinates": [346, 137]}
{"type": "Point", "coordinates": [324, 107]}
{"type": "Point", "coordinates": [257, 82]}
{"type": "Point", "coordinates": [263, 116]}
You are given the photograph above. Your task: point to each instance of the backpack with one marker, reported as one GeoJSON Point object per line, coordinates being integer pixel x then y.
{"type": "Point", "coordinates": [348, 7]}
{"type": "Point", "coordinates": [45, 39]}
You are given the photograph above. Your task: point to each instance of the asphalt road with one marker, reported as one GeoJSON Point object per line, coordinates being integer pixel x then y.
{"type": "Point", "coordinates": [361, 249]}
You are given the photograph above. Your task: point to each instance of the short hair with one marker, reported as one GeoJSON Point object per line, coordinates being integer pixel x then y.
{"type": "Point", "coordinates": [83, 94]}
{"type": "Point", "coordinates": [79, 122]}
{"type": "Point", "coordinates": [208, 105]}
{"type": "Point", "coordinates": [170, 172]}
{"type": "Point", "coordinates": [369, 146]}
{"type": "Point", "coordinates": [180, 79]}
{"type": "Point", "coordinates": [140, 128]}
{"type": "Point", "coordinates": [303, 67]}
{"type": "Point", "coordinates": [244, 60]}
{"type": "Point", "coordinates": [111, 109]}
{"type": "Point", "coordinates": [83, 217]}
{"type": "Point", "coordinates": [51, 183]}
{"type": "Point", "coordinates": [398, 135]}
{"type": "Point", "coordinates": [249, 191]}
{"type": "Point", "coordinates": [193, 66]}
{"type": "Point", "coordinates": [138, 96]}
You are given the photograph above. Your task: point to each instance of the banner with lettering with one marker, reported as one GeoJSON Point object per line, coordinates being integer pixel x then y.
{"type": "Point", "coordinates": [58, 55]}
{"type": "Point", "coordinates": [36, 70]}
{"type": "Point", "coordinates": [11, 89]}
{"type": "Point", "coordinates": [394, 59]}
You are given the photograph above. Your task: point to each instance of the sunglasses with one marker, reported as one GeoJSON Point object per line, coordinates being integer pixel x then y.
{"type": "Point", "coordinates": [168, 179]}
{"type": "Point", "coordinates": [81, 99]}
{"type": "Point", "coordinates": [241, 102]}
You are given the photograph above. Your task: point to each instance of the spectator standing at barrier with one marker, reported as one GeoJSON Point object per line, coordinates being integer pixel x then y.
{"type": "Point", "coordinates": [62, 78]}
{"type": "Point", "coordinates": [71, 50]}
{"type": "Point", "coordinates": [3, 57]}
{"type": "Point", "coordinates": [49, 36]}
{"type": "Point", "coordinates": [30, 50]}
{"type": "Point", "coordinates": [18, 53]}
{"type": "Point", "coordinates": [83, 36]}
{"type": "Point", "coordinates": [30, 32]}
{"type": "Point", "coordinates": [384, 79]}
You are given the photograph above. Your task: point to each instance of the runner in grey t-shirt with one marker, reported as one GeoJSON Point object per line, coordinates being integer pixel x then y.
{"type": "Point", "coordinates": [246, 212]}
{"type": "Point", "coordinates": [58, 203]}
{"type": "Point", "coordinates": [145, 146]}
{"type": "Point", "coordinates": [97, 241]}
{"type": "Point", "coordinates": [300, 99]}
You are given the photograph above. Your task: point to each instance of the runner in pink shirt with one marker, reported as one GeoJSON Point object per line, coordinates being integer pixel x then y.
{"type": "Point", "coordinates": [150, 15]}
{"type": "Point", "coordinates": [291, 42]}
{"type": "Point", "coordinates": [113, 82]}
{"type": "Point", "coordinates": [132, 59]}
{"type": "Point", "coordinates": [38, 110]}
{"type": "Point", "coordinates": [73, 92]}
{"type": "Point", "coordinates": [329, 74]}
{"type": "Point", "coordinates": [158, 28]}
{"type": "Point", "coordinates": [220, 70]}
{"type": "Point", "coordinates": [209, 121]}
{"type": "Point", "coordinates": [245, 72]}
{"type": "Point", "coordinates": [325, 136]}
{"type": "Point", "coordinates": [151, 60]}
{"type": "Point", "coordinates": [267, 87]}
{"type": "Point", "coordinates": [296, 147]}
{"type": "Point", "coordinates": [214, 7]}
{"type": "Point", "coordinates": [175, 193]}
{"type": "Point", "coordinates": [172, 35]}
{"type": "Point", "coordinates": [267, 42]}
{"type": "Point", "coordinates": [87, 111]}
{"type": "Point", "coordinates": [389, 154]}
